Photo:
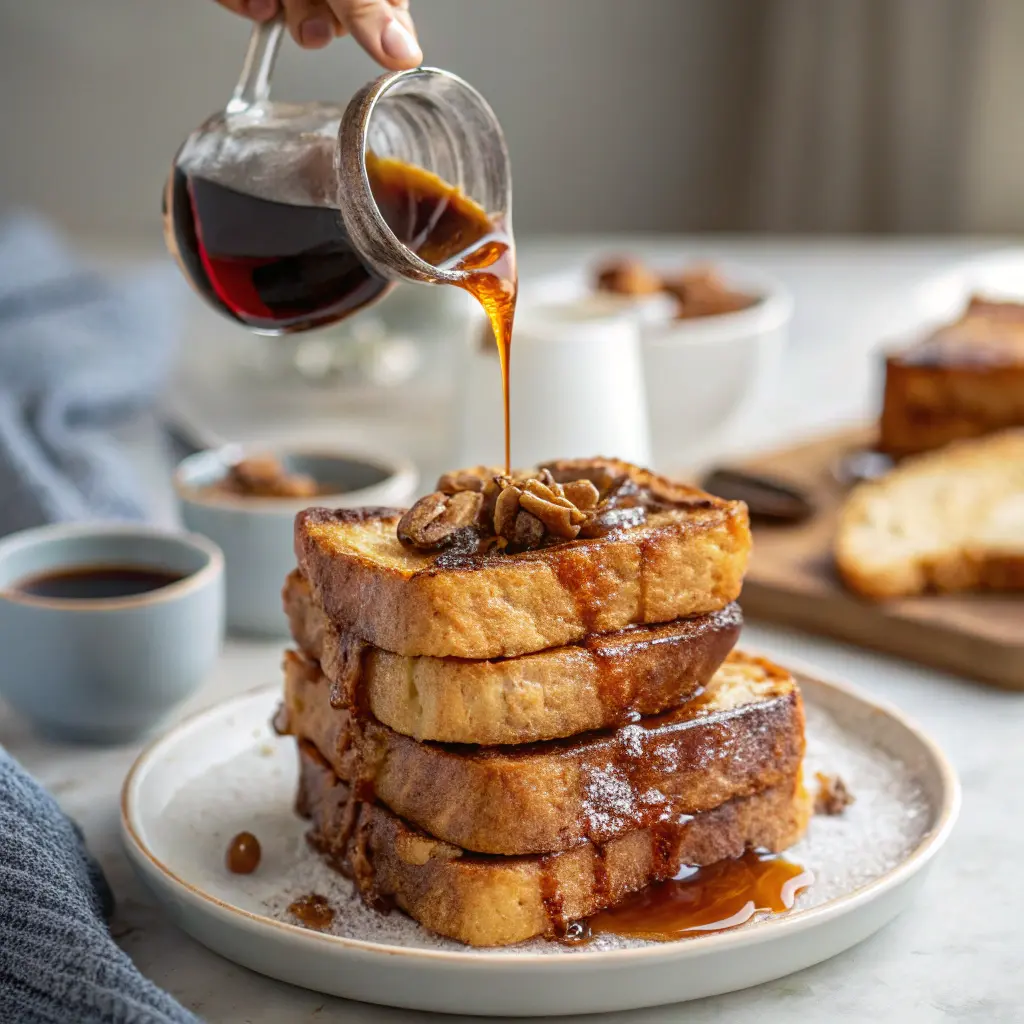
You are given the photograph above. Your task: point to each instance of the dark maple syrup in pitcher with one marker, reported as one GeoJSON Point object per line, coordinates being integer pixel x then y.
{"type": "Point", "coordinates": [280, 267]}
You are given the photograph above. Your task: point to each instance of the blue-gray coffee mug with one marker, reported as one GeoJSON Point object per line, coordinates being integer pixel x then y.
{"type": "Point", "coordinates": [107, 669]}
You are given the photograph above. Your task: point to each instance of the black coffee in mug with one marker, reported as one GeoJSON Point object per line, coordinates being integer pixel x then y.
{"type": "Point", "coordinates": [95, 582]}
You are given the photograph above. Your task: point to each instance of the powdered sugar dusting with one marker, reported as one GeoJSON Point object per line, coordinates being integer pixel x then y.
{"type": "Point", "coordinates": [254, 791]}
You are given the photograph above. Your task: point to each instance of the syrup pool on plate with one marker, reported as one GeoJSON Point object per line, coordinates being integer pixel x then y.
{"type": "Point", "coordinates": [722, 895]}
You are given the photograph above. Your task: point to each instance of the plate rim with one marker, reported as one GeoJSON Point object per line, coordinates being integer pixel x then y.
{"type": "Point", "coordinates": [946, 812]}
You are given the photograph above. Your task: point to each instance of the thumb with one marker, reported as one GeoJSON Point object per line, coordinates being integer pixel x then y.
{"type": "Point", "coordinates": [383, 29]}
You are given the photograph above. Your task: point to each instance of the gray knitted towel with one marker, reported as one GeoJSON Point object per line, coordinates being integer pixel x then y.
{"type": "Point", "coordinates": [78, 355]}
{"type": "Point", "coordinates": [58, 963]}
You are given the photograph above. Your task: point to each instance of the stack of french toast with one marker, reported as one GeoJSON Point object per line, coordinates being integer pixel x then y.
{"type": "Point", "coordinates": [518, 702]}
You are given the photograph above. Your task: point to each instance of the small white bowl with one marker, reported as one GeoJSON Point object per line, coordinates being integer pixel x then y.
{"type": "Point", "coordinates": [702, 375]}
{"type": "Point", "coordinates": [256, 534]}
{"type": "Point", "coordinates": [705, 373]}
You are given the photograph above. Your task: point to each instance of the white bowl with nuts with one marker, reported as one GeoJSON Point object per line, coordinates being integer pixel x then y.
{"type": "Point", "coordinates": [711, 342]}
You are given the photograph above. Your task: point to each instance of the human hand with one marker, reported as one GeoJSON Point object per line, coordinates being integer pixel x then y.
{"type": "Point", "coordinates": [383, 28]}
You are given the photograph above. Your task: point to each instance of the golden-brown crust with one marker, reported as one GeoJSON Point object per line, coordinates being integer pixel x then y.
{"type": "Point", "coordinates": [929, 406]}
{"type": "Point", "coordinates": [745, 733]}
{"type": "Point", "coordinates": [679, 563]}
{"type": "Point", "coordinates": [600, 683]}
{"type": "Point", "coordinates": [497, 901]}
{"type": "Point", "coordinates": [946, 574]}
{"type": "Point", "coordinates": [964, 380]}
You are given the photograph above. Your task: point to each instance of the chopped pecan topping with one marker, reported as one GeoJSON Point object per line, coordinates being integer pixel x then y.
{"type": "Point", "coordinates": [506, 507]}
{"type": "Point", "coordinates": [527, 510]}
{"type": "Point", "coordinates": [582, 493]}
{"type": "Point", "coordinates": [436, 520]}
{"type": "Point", "coordinates": [528, 531]}
{"type": "Point", "coordinates": [481, 510]}
{"type": "Point", "coordinates": [559, 516]}
{"type": "Point", "coordinates": [571, 471]}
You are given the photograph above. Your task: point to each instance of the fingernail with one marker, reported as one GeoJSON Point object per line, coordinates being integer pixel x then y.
{"type": "Point", "coordinates": [399, 43]}
{"type": "Point", "coordinates": [316, 32]}
{"type": "Point", "coordinates": [260, 10]}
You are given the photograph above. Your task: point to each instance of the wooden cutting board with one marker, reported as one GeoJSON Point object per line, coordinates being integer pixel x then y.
{"type": "Point", "coordinates": [792, 581]}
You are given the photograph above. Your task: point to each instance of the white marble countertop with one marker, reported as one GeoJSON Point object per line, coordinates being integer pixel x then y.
{"type": "Point", "coordinates": [956, 956]}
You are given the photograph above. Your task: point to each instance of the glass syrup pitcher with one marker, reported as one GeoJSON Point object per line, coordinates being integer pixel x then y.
{"type": "Point", "coordinates": [287, 217]}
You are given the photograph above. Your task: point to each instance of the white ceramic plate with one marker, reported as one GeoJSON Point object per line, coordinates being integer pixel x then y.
{"type": "Point", "coordinates": [224, 771]}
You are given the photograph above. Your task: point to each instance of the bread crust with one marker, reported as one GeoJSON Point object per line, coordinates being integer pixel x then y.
{"type": "Point", "coordinates": [679, 563]}
{"type": "Point", "coordinates": [945, 521]}
{"type": "Point", "coordinates": [744, 734]}
{"type": "Point", "coordinates": [498, 901]}
{"type": "Point", "coordinates": [928, 406]}
{"type": "Point", "coordinates": [964, 380]}
{"type": "Point", "coordinates": [600, 683]}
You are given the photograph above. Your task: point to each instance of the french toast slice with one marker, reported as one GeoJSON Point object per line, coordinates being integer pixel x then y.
{"type": "Point", "coordinates": [497, 901]}
{"type": "Point", "coordinates": [945, 521]}
{"type": "Point", "coordinates": [744, 733]}
{"type": "Point", "coordinates": [964, 380]}
{"type": "Point", "coordinates": [600, 683]}
{"type": "Point", "coordinates": [686, 558]}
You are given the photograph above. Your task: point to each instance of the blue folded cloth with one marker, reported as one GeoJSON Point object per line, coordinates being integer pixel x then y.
{"type": "Point", "coordinates": [58, 963]}
{"type": "Point", "coordinates": [79, 355]}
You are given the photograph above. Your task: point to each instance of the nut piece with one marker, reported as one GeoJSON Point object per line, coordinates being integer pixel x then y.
{"type": "Point", "coordinates": [833, 797]}
{"type": "Point", "coordinates": [506, 508]}
{"type": "Point", "coordinates": [472, 479]}
{"type": "Point", "coordinates": [703, 292]}
{"type": "Point", "coordinates": [528, 531]}
{"type": "Point", "coordinates": [438, 519]}
{"type": "Point", "coordinates": [562, 520]}
{"type": "Point", "coordinates": [480, 509]}
{"type": "Point", "coordinates": [626, 276]}
{"type": "Point", "coordinates": [264, 476]}
{"type": "Point", "coordinates": [582, 493]}
{"type": "Point", "coordinates": [623, 492]}
{"type": "Point", "coordinates": [552, 493]}
{"type": "Point", "coordinates": [573, 470]}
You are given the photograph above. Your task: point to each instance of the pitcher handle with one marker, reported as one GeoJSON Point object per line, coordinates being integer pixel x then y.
{"type": "Point", "coordinates": [254, 84]}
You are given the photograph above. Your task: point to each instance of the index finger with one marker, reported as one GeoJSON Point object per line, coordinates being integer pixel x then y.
{"type": "Point", "coordinates": [383, 28]}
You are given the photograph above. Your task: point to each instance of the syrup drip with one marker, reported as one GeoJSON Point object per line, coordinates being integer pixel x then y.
{"type": "Point", "coordinates": [722, 895]}
{"type": "Point", "coordinates": [492, 279]}
{"type": "Point", "coordinates": [243, 856]}
{"type": "Point", "coordinates": [312, 911]}
{"type": "Point", "coordinates": [452, 232]}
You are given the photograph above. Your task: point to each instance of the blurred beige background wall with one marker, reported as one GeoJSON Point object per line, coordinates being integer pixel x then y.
{"type": "Point", "coordinates": [647, 115]}
{"type": "Point", "coordinates": [609, 107]}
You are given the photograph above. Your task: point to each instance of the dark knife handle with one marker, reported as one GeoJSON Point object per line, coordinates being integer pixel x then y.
{"type": "Point", "coordinates": [768, 498]}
